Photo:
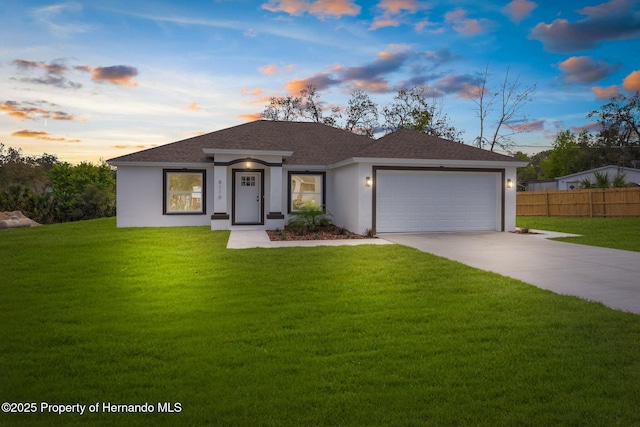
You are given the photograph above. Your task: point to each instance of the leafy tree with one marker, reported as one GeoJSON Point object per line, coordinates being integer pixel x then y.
{"type": "Point", "coordinates": [619, 135]}
{"type": "Point", "coordinates": [410, 109]}
{"type": "Point", "coordinates": [84, 186]}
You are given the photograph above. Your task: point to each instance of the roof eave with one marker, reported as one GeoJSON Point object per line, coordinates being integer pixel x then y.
{"type": "Point", "coordinates": [429, 162]}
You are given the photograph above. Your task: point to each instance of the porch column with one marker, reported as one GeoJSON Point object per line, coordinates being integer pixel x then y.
{"type": "Point", "coordinates": [275, 193]}
{"type": "Point", "coordinates": [220, 208]}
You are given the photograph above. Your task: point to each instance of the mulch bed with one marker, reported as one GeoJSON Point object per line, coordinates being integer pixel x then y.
{"type": "Point", "coordinates": [323, 233]}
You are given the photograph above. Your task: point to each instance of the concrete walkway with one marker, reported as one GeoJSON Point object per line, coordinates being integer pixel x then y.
{"type": "Point", "coordinates": [609, 276]}
{"type": "Point", "coordinates": [240, 239]}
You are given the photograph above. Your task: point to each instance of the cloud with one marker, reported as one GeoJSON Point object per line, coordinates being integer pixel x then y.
{"type": "Point", "coordinates": [441, 56]}
{"type": "Point", "coordinates": [372, 76]}
{"type": "Point", "coordinates": [45, 136]}
{"type": "Point", "coordinates": [532, 126]}
{"type": "Point", "coordinates": [53, 73]}
{"type": "Point", "coordinates": [382, 22]}
{"type": "Point", "coordinates": [319, 80]}
{"type": "Point", "coordinates": [321, 8]}
{"type": "Point", "coordinates": [614, 20]}
{"type": "Point", "coordinates": [33, 110]}
{"type": "Point", "coordinates": [52, 18]}
{"type": "Point", "coordinates": [272, 69]}
{"type": "Point", "coordinates": [49, 80]}
{"type": "Point", "coordinates": [116, 74]}
{"type": "Point", "coordinates": [250, 117]}
{"type": "Point", "coordinates": [583, 69]}
{"type": "Point", "coordinates": [464, 86]}
{"type": "Point", "coordinates": [518, 10]}
{"type": "Point", "coordinates": [605, 92]}
{"type": "Point", "coordinates": [632, 81]}
{"type": "Point", "coordinates": [392, 11]}
{"type": "Point", "coordinates": [126, 147]}
{"type": "Point", "coordinates": [194, 106]}
{"type": "Point", "coordinates": [463, 25]}
{"type": "Point", "coordinates": [53, 67]}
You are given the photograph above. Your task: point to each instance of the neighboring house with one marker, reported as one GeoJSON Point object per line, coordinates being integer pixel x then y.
{"type": "Point", "coordinates": [541, 185]}
{"type": "Point", "coordinates": [253, 176]}
{"type": "Point", "coordinates": [572, 182]}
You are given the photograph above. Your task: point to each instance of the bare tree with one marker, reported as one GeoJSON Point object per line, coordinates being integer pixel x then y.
{"type": "Point", "coordinates": [282, 108]}
{"type": "Point", "coordinates": [507, 101]}
{"type": "Point", "coordinates": [306, 107]}
{"type": "Point", "coordinates": [362, 114]}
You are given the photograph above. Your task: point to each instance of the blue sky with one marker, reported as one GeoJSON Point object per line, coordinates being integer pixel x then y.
{"type": "Point", "coordinates": [96, 79]}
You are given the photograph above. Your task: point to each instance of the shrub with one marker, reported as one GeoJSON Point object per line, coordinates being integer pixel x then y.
{"type": "Point", "coordinates": [308, 218]}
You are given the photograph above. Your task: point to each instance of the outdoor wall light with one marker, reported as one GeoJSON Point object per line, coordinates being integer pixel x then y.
{"type": "Point", "coordinates": [248, 165]}
{"type": "Point", "coordinates": [509, 183]}
{"type": "Point", "coordinates": [368, 182]}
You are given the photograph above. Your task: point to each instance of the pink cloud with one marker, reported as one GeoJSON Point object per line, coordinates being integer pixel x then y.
{"type": "Point", "coordinates": [518, 10]}
{"type": "Point", "coordinates": [583, 69]}
{"type": "Point", "coordinates": [613, 20]}
{"type": "Point", "coordinates": [397, 6]}
{"type": "Point", "coordinates": [116, 74]}
{"type": "Point", "coordinates": [321, 8]}
{"type": "Point", "coordinates": [272, 69]}
{"type": "Point", "coordinates": [462, 24]}
{"type": "Point", "coordinates": [532, 126]}
{"type": "Point", "coordinates": [383, 22]}
{"type": "Point", "coordinates": [44, 136]}
{"type": "Point", "coordinates": [632, 81]}
{"type": "Point", "coordinates": [605, 92]}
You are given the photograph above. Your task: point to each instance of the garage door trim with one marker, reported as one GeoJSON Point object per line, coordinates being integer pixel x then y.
{"type": "Point", "coordinates": [438, 169]}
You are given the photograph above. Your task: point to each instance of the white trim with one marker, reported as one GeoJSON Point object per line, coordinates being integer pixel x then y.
{"type": "Point", "coordinates": [428, 162]}
{"type": "Point", "coordinates": [248, 152]}
{"type": "Point", "coordinates": [310, 168]}
{"type": "Point", "coordinates": [165, 165]}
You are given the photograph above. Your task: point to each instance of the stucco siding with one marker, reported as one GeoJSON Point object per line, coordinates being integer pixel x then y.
{"type": "Point", "coordinates": [139, 199]}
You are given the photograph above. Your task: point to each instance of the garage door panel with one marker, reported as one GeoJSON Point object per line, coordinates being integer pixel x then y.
{"type": "Point", "coordinates": [436, 201]}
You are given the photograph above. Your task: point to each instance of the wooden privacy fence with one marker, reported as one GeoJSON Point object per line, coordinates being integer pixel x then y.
{"type": "Point", "coordinates": [593, 202]}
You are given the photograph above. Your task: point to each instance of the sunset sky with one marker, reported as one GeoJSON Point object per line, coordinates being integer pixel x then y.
{"type": "Point", "coordinates": [97, 79]}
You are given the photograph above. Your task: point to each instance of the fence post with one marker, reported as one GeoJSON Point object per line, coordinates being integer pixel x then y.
{"type": "Point", "coordinates": [546, 196]}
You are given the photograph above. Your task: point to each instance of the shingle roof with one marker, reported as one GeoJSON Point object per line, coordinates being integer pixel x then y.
{"type": "Point", "coordinates": [311, 144]}
{"type": "Point", "coordinates": [410, 144]}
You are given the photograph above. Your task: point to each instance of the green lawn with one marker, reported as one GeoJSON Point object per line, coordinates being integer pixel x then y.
{"type": "Point", "coordinates": [350, 336]}
{"type": "Point", "coordinates": [617, 233]}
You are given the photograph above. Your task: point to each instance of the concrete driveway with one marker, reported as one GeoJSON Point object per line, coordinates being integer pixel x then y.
{"type": "Point", "coordinates": [609, 276]}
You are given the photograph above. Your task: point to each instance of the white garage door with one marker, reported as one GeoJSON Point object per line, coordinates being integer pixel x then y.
{"type": "Point", "coordinates": [408, 201]}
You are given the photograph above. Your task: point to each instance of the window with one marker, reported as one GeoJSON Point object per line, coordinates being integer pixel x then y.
{"type": "Point", "coordinates": [306, 189]}
{"type": "Point", "coordinates": [184, 192]}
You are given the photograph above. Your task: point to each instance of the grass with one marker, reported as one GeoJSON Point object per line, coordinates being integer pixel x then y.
{"type": "Point", "coordinates": [617, 233]}
{"type": "Point", "coordinates": [350, 336]}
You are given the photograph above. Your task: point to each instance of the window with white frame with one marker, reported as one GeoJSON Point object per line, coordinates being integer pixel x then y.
{"type": "Point", "coordinates": [306, 189]}
{"type": "Point", "coordinates": [184, 192]}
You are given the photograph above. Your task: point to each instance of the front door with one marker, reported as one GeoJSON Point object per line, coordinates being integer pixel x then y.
{"type": "Point", "coordinates": [247, 207]}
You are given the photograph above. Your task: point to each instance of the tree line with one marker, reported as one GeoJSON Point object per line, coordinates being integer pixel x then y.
{"type": "Point", "coordinates": [50, 191]}
{"type": "Point", "coordinates": [418, 108]}
{"type": "Point", "coordinates": [616, 141]}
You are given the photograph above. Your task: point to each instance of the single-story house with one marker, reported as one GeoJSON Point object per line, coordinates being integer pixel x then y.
{"type": "Point", "coordinates": [255, 175]}
{"type": "Point", "coordinates": [572, 182]}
